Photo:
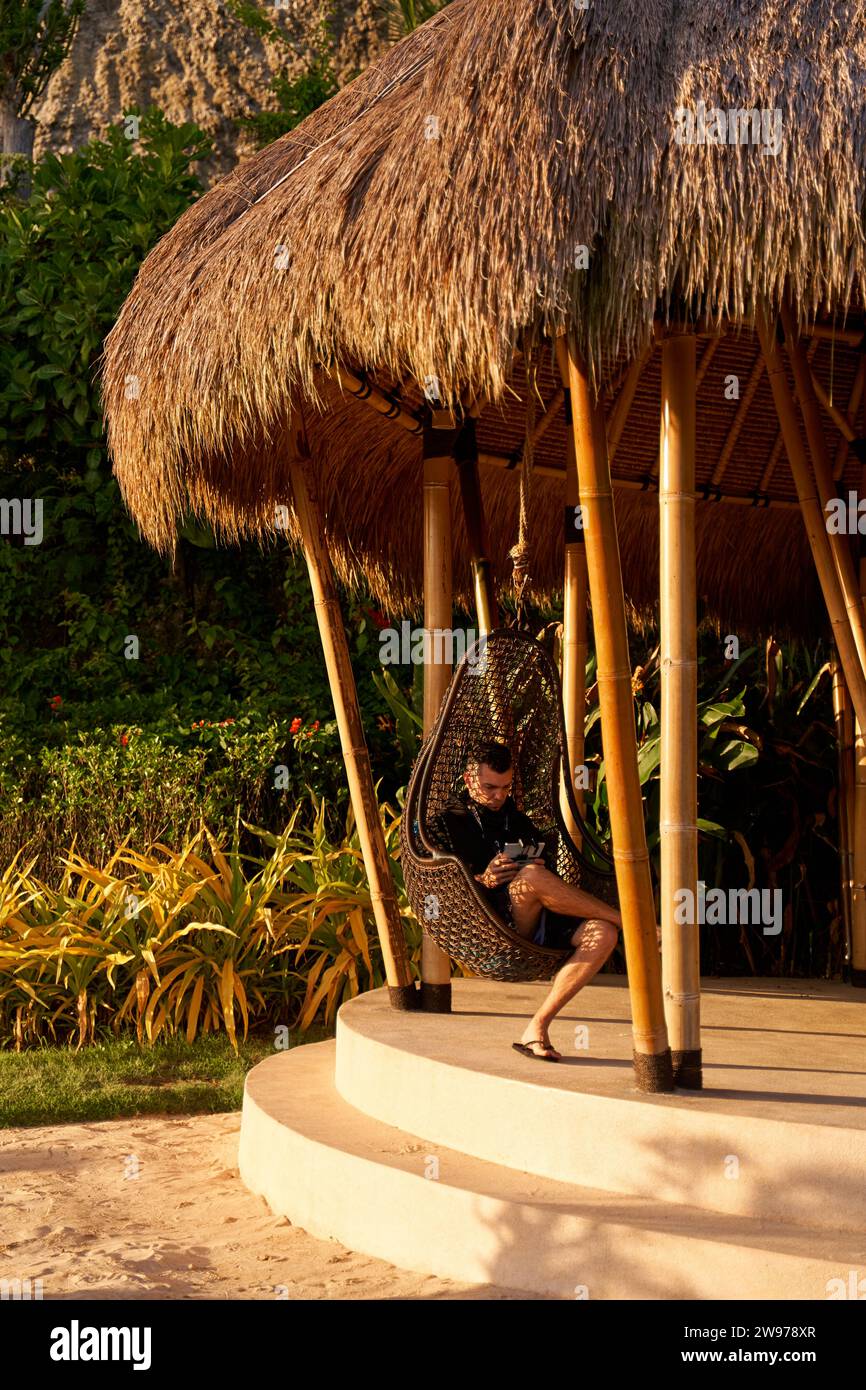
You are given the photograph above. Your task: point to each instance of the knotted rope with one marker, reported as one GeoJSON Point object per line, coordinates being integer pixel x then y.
{"type": "Point", "coordinates": [519, 554]}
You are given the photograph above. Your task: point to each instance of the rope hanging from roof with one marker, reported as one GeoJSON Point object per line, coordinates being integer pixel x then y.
{"type": "Point", "coordinates": [519, 554]}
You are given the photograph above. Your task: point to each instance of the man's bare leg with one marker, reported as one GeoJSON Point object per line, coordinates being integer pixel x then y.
{"type": "Point", "coordinates": [594, 939]}
{"type": "Point", "coordinates": [536, 887]}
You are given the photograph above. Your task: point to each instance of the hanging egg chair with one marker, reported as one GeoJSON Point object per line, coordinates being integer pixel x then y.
{"type": "Point", "coordinates": [505, 689]}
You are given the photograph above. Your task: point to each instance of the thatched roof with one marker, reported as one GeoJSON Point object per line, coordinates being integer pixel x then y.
{"type": "Point", "coordinates": [418, 223]}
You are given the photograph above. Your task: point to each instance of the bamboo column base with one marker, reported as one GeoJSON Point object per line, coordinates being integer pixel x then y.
{"type": "Point", "coordinates": [435, 999]}
{"type": "Point", "coordinates": [688, 1069]}
{"type": "Point", "coordinates": [404, 997]}
{"type": "Point", "coordinates": [653, 1071]}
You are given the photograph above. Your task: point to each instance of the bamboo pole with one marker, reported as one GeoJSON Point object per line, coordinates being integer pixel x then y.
{"type": "Point", "coordinates": [678, 824]}
{"type": "Point", "coordinates": [839, 418]}
{"type": "Point", "coordinates": [476, 531]}
{"type": "Point", "coordinates": [759, 499]}
{"type": "Point", "coordinates": [738, 421]}
{"type": "Point", "coordinates": [814, 518]}
{"type": "Point", "coordinates": [438, 617]}
{"type": "Point", "coordinates": [858, 816]}
{"type": "Point", "coordinates": [625, 399]}
{"type": "Point", "coordinates": [817, 332]}
{"type": "Point", "coordinates": [355, 755]}
{"type": "Point", "coordinates": [853, 407]}
{"type": "Point", "coordinates": [413, 424]}
{"type": "Point", "coordinates": [840, 547]}
{"type": "Point", "coordinates": [844, 720]}
{"type": "Point", "coordinates": [357, 385]}
{"type": "Point", "coordinates": [575, 645]}
{"type": "Point", "coordinates": [652, 1056]}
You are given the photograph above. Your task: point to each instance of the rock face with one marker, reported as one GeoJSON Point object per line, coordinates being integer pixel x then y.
{"type": "Point", "coordinates": [194, 60]}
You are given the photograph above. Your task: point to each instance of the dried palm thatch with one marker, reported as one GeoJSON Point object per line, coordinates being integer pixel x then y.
{"type": "Point", "coordinates": [432, 212]}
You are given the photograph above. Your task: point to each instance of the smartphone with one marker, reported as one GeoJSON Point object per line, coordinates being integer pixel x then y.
{"type": "Point", "coordinates": [522, 853]}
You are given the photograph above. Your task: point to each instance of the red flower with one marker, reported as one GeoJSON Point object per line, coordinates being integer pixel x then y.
{"type": "Point", "coordinates": [315, 723]}
{"type": "Point", "coordinates": [124, 739]}
{"type": "Point", "coordinates": [378, 617]}
{"type": "Point", "coordinates": [294, 726]}
{"type": "Point", "coordinates": [56, 701]}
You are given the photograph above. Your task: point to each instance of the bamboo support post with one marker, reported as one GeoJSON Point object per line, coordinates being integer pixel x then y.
{"type": "Point", "coordinates": [853, 407]}
{"type": "Point", "coordinates": [574, 623]}
{"type": "Point", "coordinates": [359, 774]}
{"type": "Point", "coordinates": [844, 721]}
{"type": "Point", "coordinates": [840, 548]}
{"type": "Point", "coordinates": [839, 418]}
{"type": "Point", "coordinates": [652, 1057]}
{"type": "Point", "coordinates": [625, 400]}
{"type": "Point", "coordinates": [814, 518]}
{"type": "Point", "coordinates": [758, 500]}
{"type": "Point", "coordinates": [678, 823]}
{"type": "Point", "coordinates": [476, 534]}
{"type": "Point", "coordinates": [438, 615]}
{"type": "Point", "coordinates": [358, 386]}
{"type": "Point", "coordinates": [857, 826]}
{"type": "Point", "coordinates": [816, 332]}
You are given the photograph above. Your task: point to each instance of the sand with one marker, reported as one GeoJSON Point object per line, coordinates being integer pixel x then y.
{"type": "Point", "coordinates": [153, 1208]}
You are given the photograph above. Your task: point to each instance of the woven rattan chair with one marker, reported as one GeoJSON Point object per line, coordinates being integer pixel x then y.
{"type": "Point", "coordinates": [507, 689]}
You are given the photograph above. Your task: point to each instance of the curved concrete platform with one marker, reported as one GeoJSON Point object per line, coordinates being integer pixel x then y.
{"type": "Point", "coordinates": [778, 1133]}
{"type": "Point", "coordinates": [409, 1199]}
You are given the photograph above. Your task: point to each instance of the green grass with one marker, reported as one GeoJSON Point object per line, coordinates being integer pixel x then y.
{"type": "Point", "coordinates": [116, 1079]}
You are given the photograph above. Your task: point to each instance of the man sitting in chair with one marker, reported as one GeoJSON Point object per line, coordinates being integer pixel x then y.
{"type": "Point", "coordinates": [480, 821]}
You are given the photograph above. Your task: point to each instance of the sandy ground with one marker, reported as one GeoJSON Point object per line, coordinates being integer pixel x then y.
{"type": "Point", "coordinates": [154, 1208]}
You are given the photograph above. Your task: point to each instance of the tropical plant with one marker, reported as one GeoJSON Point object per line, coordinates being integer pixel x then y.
{"type": "Point", "coordinates": [67, 260]}
{"type": "Point", "coordinates": [407, 716]}
{"type": "Point", "coordinates": [194, 941]}
{"type": "Point", "coordinates": [403, 16]}
{"type": "Point", "coordinates": [295, 96]}
{"type": "Point", "coordinates": [35, 37]}
{"type": "Point", "coordinates": [766, 796]}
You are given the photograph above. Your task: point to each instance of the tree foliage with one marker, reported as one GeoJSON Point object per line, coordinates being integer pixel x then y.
{"type": "Point", "coordinates": [35, 37]}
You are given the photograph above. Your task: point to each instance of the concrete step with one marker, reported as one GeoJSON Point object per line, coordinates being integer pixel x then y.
{"type": "Point", "coordinates": [778, 1132]}
{"type": "Point", "coordinates": [409, 1199]}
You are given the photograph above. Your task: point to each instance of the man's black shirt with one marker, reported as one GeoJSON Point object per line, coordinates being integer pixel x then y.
{"type": "Point", "coordinates": [477, 843]}
{"type": "Point", "coordinates": [476, 835]}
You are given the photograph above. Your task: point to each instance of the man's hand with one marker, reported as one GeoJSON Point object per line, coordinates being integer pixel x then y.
{"type": "Point", "coordinates": [500, 870]}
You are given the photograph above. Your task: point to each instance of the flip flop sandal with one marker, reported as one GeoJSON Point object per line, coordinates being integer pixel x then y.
{"type": "Point", "coordinates": [526, 1049]}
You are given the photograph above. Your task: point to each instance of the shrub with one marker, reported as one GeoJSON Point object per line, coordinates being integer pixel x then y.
{"type": "Point", "coordinates": [157, 784]}
{"type": "Point", "coordinates": [190, 941]}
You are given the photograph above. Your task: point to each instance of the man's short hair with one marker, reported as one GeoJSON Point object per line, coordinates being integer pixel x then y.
{"type": "Point", "coordinates": [496, 756]}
